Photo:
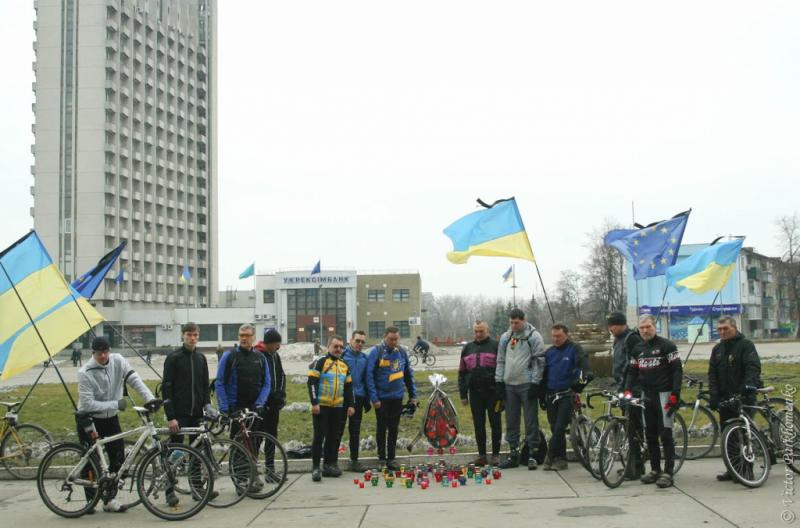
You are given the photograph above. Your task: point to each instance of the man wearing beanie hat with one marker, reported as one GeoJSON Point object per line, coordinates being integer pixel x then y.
{"type": "Point", "coordinates": [277, 392]}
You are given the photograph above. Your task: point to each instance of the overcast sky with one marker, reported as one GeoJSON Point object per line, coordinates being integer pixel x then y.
{"type": "Point", "coordinates": [354, 132]}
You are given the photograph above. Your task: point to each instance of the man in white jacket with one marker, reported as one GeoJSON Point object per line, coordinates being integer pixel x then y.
{"type": "Point", "coordinates": [100, 394]}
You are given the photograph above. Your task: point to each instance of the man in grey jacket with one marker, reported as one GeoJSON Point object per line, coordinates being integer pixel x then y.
{"type": "Point", "coordinates": [520, 366]}
{"type": "Point", "coordinates": [624, 338]}
{"type": "Point", "coordinates": [100, 394]}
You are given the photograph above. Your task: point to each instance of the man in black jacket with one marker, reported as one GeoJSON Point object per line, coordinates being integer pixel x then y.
{"type": "Point", "coordinates": [277, 390]}
{"type": "Point", "coordinates": [658, 369]}
{"type": "Point", "coordinates": [733, 369]}
{"type": "Point", "coordinates": [185, 389]}
{"type": "Point", "coordinates": [476, 386]}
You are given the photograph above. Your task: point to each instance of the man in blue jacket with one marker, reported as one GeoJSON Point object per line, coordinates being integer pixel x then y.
{"type": "Point", "coordinates": [243, 378]}
{"type": "Point", "coordinates": [566, 372]}
{"type": "Point", "coordinates": [388, 376]}
{"type": "Point", "coordinates": [357, 362]}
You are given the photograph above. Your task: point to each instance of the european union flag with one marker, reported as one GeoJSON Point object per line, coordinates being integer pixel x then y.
{"type": "Point", "coordinates": [652, 249]}
{"type": "Point", "coordinates": [88, 283]}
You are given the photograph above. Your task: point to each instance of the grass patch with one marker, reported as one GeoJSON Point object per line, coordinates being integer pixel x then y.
{"type": "Point", "coordinates": [49, 407]}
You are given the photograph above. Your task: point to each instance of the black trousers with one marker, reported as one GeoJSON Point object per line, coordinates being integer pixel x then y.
{"type": "Point", "coordinates": [269, 424]}
{"type": "Point", "coordinates": [388, 415]}
{"type": "Point", "coordinates": [115, 450]}
{"type": "Point", "coordinates": [635, 431]}
{"type": "Point", "coordinates": [185, 421]}
{"type": "Point", "coordinates": [481, 405]}
{"type": "Point", "coordinates": [326, 430]}
{"type": "Point", "coordinates": [354, 427]}
{"type": "Point", "coordinates": [655, 429]}
{"type": "Point", "coordinates": [559, 414]}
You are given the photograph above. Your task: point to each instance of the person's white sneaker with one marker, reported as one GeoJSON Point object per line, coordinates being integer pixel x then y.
{"type": "Point", "coordinates": [113, 506]}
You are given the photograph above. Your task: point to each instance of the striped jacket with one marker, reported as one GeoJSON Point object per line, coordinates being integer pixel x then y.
{"type": "Point", "coordinates": [329, 383]}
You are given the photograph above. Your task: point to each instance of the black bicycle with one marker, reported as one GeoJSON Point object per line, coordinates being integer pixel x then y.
{"type": "Point", "coordinates": [702, 426]}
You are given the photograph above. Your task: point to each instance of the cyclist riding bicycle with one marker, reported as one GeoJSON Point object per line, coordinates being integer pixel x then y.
{"type": "Point", "coordinates": [421, 347]}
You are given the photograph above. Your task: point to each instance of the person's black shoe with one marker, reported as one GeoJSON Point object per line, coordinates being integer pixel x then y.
{"type": "Point", "coordinates": [512, 461]}
{"type": "Point", "coordinates": [316, 476]}
{"type": "Point", "coordinates": [650, 478]}
{"type": "Point", "coordinates": [532, 464]}
{"type": "Point", "coordinates": [393, 465]}
{"type": "Point", "coordinates": [330, 470]}
{"type": "Point", "coordinates": [356, 467]}
{"type": "Point", "coordinates": [725, 477]}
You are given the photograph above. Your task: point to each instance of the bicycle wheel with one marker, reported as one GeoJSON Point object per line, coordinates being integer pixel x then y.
{"type": "Point", "coordinates": [234, 471]}
{"type": "Point", "coordinates": [23, 448]}
{"type": "Point", "coordinates": [174, 466]}
{"type": "Point", "coordinates": [578, 434]}
{"type": "Point", "coordinates": [593, 444]}
{"type": "Point", "coordinates": [613, 454]}
{"type": "Point", "coordinates": [127, 494]}
{"type": "Point", "coordinates": [272, 466]}
{"type": "Point", "coordinates": [413, 359]}
{"type": "Point", "coordinates": [702, 430]}
{"type": "Point", "coordinates": [746, 456]}
{"type": "Point", "coordinates": [66, 494]}
{"type": "Point", "coordinates": [787, 437]}
{"type": "Point", "coordinates": [681, 440]}
{"type": "Point", "coordinates": [430, 360]}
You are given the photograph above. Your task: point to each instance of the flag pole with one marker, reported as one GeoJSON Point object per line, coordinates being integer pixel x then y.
{"type": "Point", "coordinates": [514, 284]}
{"type": "Point", "coordinates": [544, 290]}
{"type": "Point", "coordinates": [702, 328]}
{"type": "Point", "coordinates": [124, 340]}
{"type": "Point", "coordinates": [36, 328]}
{"type": "Point", "coordinates": [320, 313]}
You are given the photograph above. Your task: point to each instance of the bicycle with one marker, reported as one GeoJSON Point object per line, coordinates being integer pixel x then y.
{"type": "Point", "coordinates": [428, 358]}
{"type": "Point", "coordinates": [615, 446]}
{"type": "Point", "coordinates": [72, 479]}
{"type": "Point", "coordinates": [599, 426]}
{"type": "Point", "coordinates": [22, 445]}
{"type": "Point", "coordinates": [233, 466]}
{"type": "Point", "coordinates": [749, 450]}
{"type": "Point", "coordinates": [272, 464]}
{"type": "Point", "coordinates": [702, 424]}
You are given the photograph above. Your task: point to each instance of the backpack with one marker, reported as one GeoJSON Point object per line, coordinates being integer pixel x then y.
{"type": "Point", "coordinates": [541, 450]}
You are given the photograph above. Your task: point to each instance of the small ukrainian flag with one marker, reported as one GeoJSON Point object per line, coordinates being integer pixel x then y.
{"type": "Point", "coordinates": [508, 274]}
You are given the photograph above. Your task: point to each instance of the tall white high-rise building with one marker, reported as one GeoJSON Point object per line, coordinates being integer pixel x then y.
{"type": "Point", "coordinates": [125, 145]}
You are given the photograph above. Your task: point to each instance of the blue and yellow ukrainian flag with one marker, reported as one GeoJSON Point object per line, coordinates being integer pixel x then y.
{"type": "Point", "coordinates": [496, 231]}
{"type": "Point", "coordinates": [706, 270]}
{"type": "Point", "coordinates": [37, 307]}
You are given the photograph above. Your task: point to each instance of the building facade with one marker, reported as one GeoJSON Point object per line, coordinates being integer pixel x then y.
{"type": "Point", "coordinates": [390, 299]}
{"type": "Point", "coordinates": [757, 296]}
{"type": "Point", "coordinates": [125, 146]}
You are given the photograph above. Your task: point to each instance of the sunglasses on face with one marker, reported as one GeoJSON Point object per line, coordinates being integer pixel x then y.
{"type": "Point", "coordinates": [362, 341]}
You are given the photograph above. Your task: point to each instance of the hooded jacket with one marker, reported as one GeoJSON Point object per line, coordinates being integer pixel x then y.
{"type": "Point", "coordinates": [389, 373]}
{"type": "Point", "coordinates": [100, 387]}
{"type": "Point", "coordinates": [520, 357]}
{"type": "Point", "coordinates": [357, 361]}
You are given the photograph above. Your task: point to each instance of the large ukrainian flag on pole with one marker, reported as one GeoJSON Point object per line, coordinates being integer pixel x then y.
{"type": "Point", "coordinates": [706, 270]}
{"type": "Point", "coordinates": [40, 314]}
{"type": "Point", "coordinates": [496, 231]}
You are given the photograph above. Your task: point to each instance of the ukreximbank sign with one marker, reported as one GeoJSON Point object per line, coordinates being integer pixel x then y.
{"type": "Point", "coordinates": [344, 280]}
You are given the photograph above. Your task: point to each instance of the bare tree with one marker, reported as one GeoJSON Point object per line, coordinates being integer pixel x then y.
{"type": "Point", "coordinates": [604, 271]}
{"type": "Point", "coordinates": [789, 237]}
{"type": "Point", "coordinates": [568, 298]}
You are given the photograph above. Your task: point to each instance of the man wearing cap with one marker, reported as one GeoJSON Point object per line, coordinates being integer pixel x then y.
{"type": "Point", "coordinates": [277, 388]}
{"type": "Point", "coordinates": [618, 326]}
{"type": "Point", "coordinates": [100, 394]}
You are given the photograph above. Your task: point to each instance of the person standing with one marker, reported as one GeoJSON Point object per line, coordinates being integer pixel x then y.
{"type": "Point", "coordinates": [185, 389]}
{"type": "Point", "coordinates": [658, 369]}
{"type": "Point", "coordinates": [330, 390]}
{"type": "Point", "coordinates": [624, 338]}
{"type": "Point", "coordinates": [389, 374]}
{"type": "Point", "coordinates": [277, 391]}
{"type": "Point", "coordinates": [566, 372]}
{"type": "Point", "coordinates": [520, 366]}
{"type": "Point", "coordinates": [476, 386]}
{"type": "Point", "coordinates": [101, 383]}
{"type": "Point", "coordinates": [734, 369]}
{"type": "Point", "coordinates": [356, 361]}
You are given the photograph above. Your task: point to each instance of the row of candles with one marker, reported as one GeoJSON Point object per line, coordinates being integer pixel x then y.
{"type": "Point", "coordinates": [445, 476]}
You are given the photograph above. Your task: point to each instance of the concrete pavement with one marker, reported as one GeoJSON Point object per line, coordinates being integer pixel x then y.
{"type": "Point", "coordinates": [520, 498]}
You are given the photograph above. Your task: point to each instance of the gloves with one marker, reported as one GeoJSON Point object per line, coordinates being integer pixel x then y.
{"type": "Point", "coordinates": [627, 394]}
{"type": "Point", "coordinates": [749, 389]}
{"type": "Point", "coordinates": [122, 404]}
{"type": "Point", "coordinates": [713, 402]}
{"type": "Point", "coordinates": [260, 410]}
{"type": "Point", "coordinates": [278, 400]}
{"type": "Point", "coordinates": [500, 391]}
{"type": "Point", "coordinates": [367, 406]}
{"type": "Point", "coordinates": [533, 391]}
{"type": "Point", "coordinates": [210, 411]}
{"type": "Point", "coordinates": [577, 387]}
{"type": "Point", "coordinates": [672, 404]}
{"type": "Point", "coordinates": [543, 404]}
